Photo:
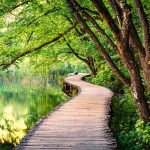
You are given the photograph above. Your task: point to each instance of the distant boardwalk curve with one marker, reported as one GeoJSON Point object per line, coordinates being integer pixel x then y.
{"type": "Point", "coordinates": [79, 124]}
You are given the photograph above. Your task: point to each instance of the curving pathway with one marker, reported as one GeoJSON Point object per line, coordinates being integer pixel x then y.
{"type": "Point", "coordinates": [79, 124]}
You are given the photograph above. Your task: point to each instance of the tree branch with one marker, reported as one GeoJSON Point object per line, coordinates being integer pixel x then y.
{"type": "Point", "coordinates": [126, 22]}
{"type": "Point", "coordinates": [117, 11]}
{"type": "Point", "coordinates": [80, 33]}
{"type": "Point", "coordinates": [91, 11]}
{"type": "Point", "coordinates": [29, 37]}
{"type": "Point", "coordinates": [144, 25]}
{"type": "Point", "coordinates": [88, 61]}
{"type": "Point", "coordinates": [99, 29]}
{"type": "Point", "coordinates": [75, 53]}
{"type": "Point", "coordinates": [107, 17]}
{"type": "Point", "coordinates": [6, 65]}
{"type": "Point", "coordinates": [46, 13]}
{"type": "Point", "coordinates": [135, 41]}
{"type": "Point", "coordinates": [99, 46]}
{"type": "Point", "coordinates": [16, 6]}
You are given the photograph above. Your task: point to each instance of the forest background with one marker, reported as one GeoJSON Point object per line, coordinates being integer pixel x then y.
{"type": "Point", "coordinates": [110, 39]}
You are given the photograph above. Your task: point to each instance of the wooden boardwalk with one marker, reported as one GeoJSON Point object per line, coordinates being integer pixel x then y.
{"type": "Point", "coordinates": [79, 124]}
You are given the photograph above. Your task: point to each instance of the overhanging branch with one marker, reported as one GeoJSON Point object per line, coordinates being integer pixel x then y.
{"type": "Point", "coordinates": [99, 46]}
{"type": "Point", "coordinates": [6, 65]}
{"type": "Point", "coordinates": [99, 29]}
{"type": "Point", "coordinates": [18, 5]}
{"type": "Point", "coordinates": [144, 24]}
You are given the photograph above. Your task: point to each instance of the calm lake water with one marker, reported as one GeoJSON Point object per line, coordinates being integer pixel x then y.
{"type": "Point", "coordinates": [23, 101]}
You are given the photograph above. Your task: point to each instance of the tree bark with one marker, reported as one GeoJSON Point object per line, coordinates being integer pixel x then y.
{"type": "Point", "coordinates": [137, 87]}
{"type": "Point", "coordinates": [135, 43]}
{"type": "Point", "coordinates": [127, 56]}
{"type": "Point", "coordinates": [117, 11]}
{"type": "Point", "coordinates": [105, 15]}
{"type": "Point", "coordinates": [91, 65]}
{"type": "Point", "coordinates": [144, 25]}
{"type": "Point", "coordinates": [146, 39]}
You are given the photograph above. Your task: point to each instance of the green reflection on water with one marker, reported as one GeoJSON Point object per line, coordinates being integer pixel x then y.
{"type": "Point", "coordinates": [23, 101]}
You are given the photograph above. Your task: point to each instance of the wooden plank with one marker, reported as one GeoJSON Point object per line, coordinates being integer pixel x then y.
{"type": "Point", "coordinates": [79, 124]}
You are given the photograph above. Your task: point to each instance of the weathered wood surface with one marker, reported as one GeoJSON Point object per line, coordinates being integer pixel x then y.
{"type": "Point", "coordinates": [79, 124]}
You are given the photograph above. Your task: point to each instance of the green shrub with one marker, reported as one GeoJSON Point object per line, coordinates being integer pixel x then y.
{"type": "Point", "coordinates": [138, 138]}
{"type": "Point", "coordinates": [124, 110]}
{"type": "Point", "coordinates": [106, 77]}
{"type": "Point", "coordinates": [130, 132]}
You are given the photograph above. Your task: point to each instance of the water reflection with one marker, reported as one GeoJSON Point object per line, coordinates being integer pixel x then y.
{"type": "Point", "coordinates": [23, 101]}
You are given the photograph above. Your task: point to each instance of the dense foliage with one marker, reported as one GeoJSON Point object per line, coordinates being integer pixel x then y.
{"type": "Point", "coordinates": [129, 130]}
{"type": "Point", "coordinates": [110, 38]}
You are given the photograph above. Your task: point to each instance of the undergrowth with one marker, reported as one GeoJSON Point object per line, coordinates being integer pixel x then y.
{"type": "Point", "coordinates": [130, 131]}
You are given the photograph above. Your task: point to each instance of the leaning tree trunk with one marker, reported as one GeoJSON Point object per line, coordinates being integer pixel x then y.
{"type": "Point", "coordinates": [134, 38]}
{"type": "Point", "coordinates": [138, 93]}
{"type": "Point", "coordinates": [99, 46]}
{"type": "Point", "coordinates": [132, 66]}
{"type": "Point", "coordinates": [147, 74]}
{"type": "Point", "coordinates": [137, 87]}
{"type": "Point", "coordinates": [136, 43]}
{"type": "Point", "coordinates": [94, 73]}
{"type": "Point", "coordinates": [90, 62]}
{"type": "Point", "coordinates": [126, 54]}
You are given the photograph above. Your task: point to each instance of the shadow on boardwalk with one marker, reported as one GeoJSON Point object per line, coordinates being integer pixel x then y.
{"type": "Point", "coordinates": [79, 124]}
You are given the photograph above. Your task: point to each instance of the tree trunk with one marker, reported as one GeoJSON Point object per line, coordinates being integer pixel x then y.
{"type": "Point", "coordinates": [137, 87]}
{"type": "Point", "coordinates": [147, 74]}
{"type": "Point", "coordinates": [99, 46]}
{"type": "Point", "coordinates": [122, 38]}
{"type": "Point", "coordinates": [146, 39]}
{"type": "Point", "coordinates": [135, 40]}
{"type": "Point", "coordinates": [136, 43]}
{"type": "Point", "coordinates": [127, 55]}
{"type": "Point", "coordinates": [94, 73]}
{"type": "Point", "coordinates": [141, 102]}
{"type": "Point", "coordinates": [90, 62]}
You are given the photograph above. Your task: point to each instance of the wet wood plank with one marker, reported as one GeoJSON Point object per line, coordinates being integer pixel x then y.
{"type": "Point", "coordinates": [79, 124]}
